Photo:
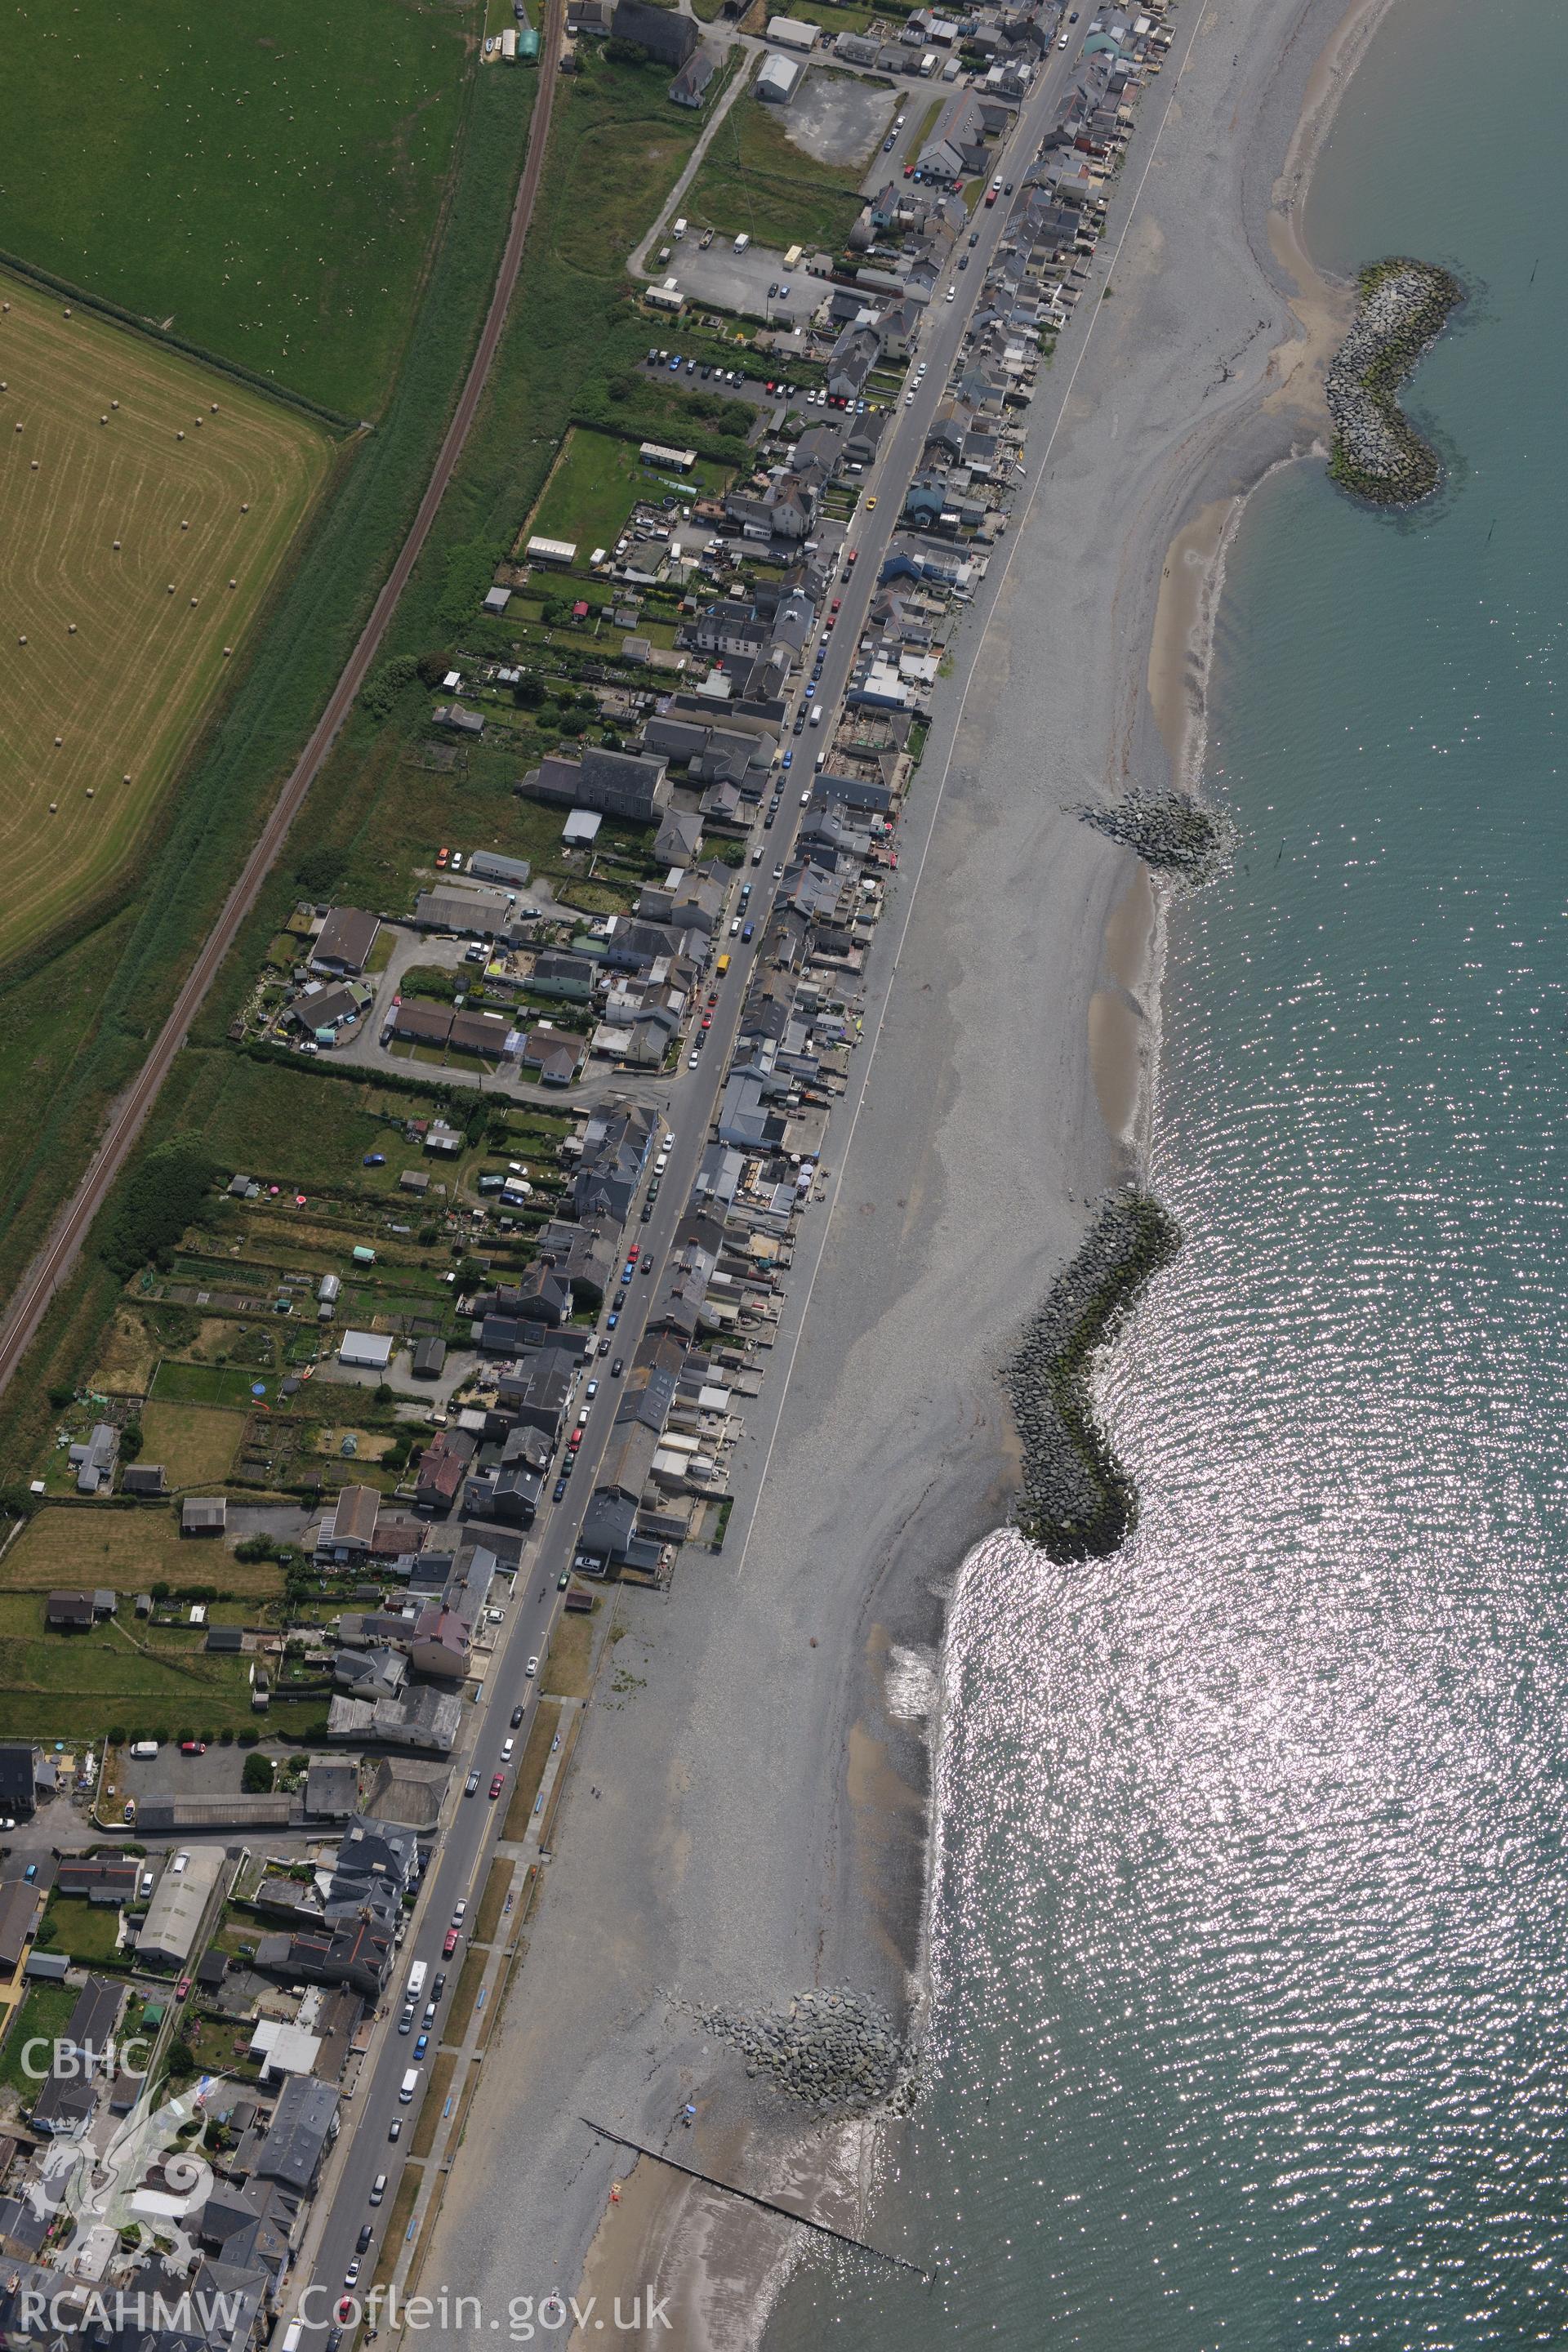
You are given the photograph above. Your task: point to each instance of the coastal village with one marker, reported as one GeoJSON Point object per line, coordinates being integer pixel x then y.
{"type": "Point", "coordinates": [374, 1360]}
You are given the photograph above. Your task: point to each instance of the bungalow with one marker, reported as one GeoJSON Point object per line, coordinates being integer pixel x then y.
{"type": "Point", "coordinates": [556, 1053]}
{"type": "Point", "coordinates": [68, 1612]}
{"type": "Point", "coordinates": [345, 940]}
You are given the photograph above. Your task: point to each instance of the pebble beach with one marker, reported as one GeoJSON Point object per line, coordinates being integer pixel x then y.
{"type": "Point", "coordinates": [765, 1753]}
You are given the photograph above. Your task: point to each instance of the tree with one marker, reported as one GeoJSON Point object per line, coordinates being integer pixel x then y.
{"type": "Point", "coordinates": [130, 1441]}
{"type": "Point", "coordinates": [256, 1777]}
{"type": "Point", "coordinates": [181, 2057]}
{"type": "Point", "coordinates": [528, 691]}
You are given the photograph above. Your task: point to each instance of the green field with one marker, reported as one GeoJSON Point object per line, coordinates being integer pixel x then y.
{"type": "Point", "coordinates": [85, 1931]}
{"type": "Point", "coordinates": [127, 1550]}
{"type": "Point", "coordinates": [79, 1014]}
{"type": "Point", "coordinates": [205, 1384]}
{"type": "Point", "coordinates": [267, 187]}
{"type": "Point", "coordinates": [598, 481]}
{"type": "Point", "coordinates": [147, 502]}
{"type": "Point", "coordinates": [43, 2016]}
{"type": "Point", "coordinates": [755, 178]}
{"type": "Point", "coordinates": [195, 1445]}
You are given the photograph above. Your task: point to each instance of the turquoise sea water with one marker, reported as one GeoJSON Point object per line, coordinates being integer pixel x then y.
{"type": "Point", "coordinates": [1251, 2023]}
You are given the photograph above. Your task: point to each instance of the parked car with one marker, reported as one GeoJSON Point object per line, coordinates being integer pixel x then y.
{"type": "Point", "coordinates": [421, 2046]}
{"type": "Point", "coordinates": [182, 1990]}
{"type": "Point", "coordinates": [470, 1784]}
{"type": "Point", "coordinates": [530, 1670]}
{"type": "Point", "coordinates": [497, 1785]}
{"type": "Point", "coordinates": [378, 2189]}
{"type": "Point", "coordinates": [449, 1943]}
{"type": "Point", "coordinates": [560, 1489]}
{"type": "Point", "coordinates": [395, 2130]}
{"type": "Point", "coordinates": [516, 1715]}
{"type": "Point", "coordinates": [405, 2023]}
{"type": "Point", "coordinates": [749, 930]}
{"type": "Point", "coordinates": [439, 1986]}
{"type": "Point", "coordinates": [617, 1367]}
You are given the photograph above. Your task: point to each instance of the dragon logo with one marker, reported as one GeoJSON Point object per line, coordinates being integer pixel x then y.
{"type": "Point", "coordinates": [152, 2174]}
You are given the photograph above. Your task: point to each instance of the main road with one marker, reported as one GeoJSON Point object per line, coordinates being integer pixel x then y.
{"type": "Point", "coordinates": [61, 1250]}
{"type": "Point", "coordinates": [472, 1827]}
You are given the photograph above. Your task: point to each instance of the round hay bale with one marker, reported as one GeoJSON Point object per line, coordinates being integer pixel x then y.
{"type": "Point", "coordinates": [58, 740]}
{"type": "Point", "coordinates": [184, 526]}
{"type": "Point", "coordinates": [179, 436]}
{"type": "Point", "coordinates": [116, 547]}
{"type": "Point", "coordinates": [90, 791]}
{"type": "Point", "coordinates": [193, 600]}
{"type": "Point", "coordinates": [126, 778]}
{"type": "Point", "coordinates": [71, 628]}
{"type": "Point", "coordinates": [244, 503]}
{"type": "Point", "coordinates": [54, 808]}
{"type": "Point", "coordinates": [114, 403]}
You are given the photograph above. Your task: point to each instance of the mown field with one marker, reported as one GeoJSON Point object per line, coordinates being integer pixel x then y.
{"type": "Point", "coordinates": [76, 1019]}
{"type": "Point", "coordinates": [146, 503]}
{"type": "Point", "coordinates": [266, 186]}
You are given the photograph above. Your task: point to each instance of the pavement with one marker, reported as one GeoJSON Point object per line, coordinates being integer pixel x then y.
{"type": "Point", "coordinates": [470, 1834]}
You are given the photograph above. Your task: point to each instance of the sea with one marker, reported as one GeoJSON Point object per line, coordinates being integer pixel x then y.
{"type": "Point", "coordinates": [1250, 1941]}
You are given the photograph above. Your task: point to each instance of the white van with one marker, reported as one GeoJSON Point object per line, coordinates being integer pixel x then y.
{"type": "Point", "coordinates": [416, 1976]}
{"type": "Point", "coordinates": [742, 242]}
{"type": "Point", "coordinates": [817, 714]}
{"type": "Point", "coordinates": [409, 2086]}
{"type": "Point", "coordinates": [679, 231]}
{"type": "Point", "coordinates": [144, 1748]}
{"type": "Point", "coordinates": [821, 762]}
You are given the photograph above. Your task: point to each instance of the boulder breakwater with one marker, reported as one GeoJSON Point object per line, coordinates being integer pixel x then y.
{"type": "Point", "coordinates": [1171, 832]}
{"type": "Point", "coordinates": [1078, 1502]}
{"type": "Point", "coordinates": [831, 2048]}
{"type": "Point", "coordinates": [1377, 454]}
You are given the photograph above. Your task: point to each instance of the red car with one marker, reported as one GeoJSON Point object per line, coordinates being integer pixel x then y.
{"type": "Point", "coordinates": [634, 1253]}
{"type": "Point", "coordinates": [193, 1746]}
{"type": "Point", "coordinates": [345, 2307]}
{"type": "Point", "coordinates": [575, 1441]}
{"type": "Point", "coordinates": [836, 602]}
{"type": "Point", "coordinates": [708, 1021]}
{"type": "Point", "coordinates": [497, 1785]}
{"type": "Point", "coordinates": [442, 856]}
{"type": "Point", "coordinates": [181, 1988]}
{"type": "Point", "coordinates": [450, 1944]}
{"type": "Point", "coordinates": [854, 556]}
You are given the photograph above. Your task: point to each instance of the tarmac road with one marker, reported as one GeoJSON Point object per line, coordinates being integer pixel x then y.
{"type": "Point", "coordinates": [464, 1847]}
{"type": "Point", "coordinates": [61, 1250]}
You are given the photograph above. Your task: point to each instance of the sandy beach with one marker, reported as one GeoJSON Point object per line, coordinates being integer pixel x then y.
{"type": "Point", "coordinates": [762, 1734]}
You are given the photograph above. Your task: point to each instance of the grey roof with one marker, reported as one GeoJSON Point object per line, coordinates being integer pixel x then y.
{"type": "Point", "coordinates": [300, 2130]}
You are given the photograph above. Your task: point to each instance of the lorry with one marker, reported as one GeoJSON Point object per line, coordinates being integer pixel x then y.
{"type": "Point", "coordinates": [416, 1976]}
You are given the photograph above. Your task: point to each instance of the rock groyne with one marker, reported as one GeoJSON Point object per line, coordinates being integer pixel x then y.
{"type": "Point", "coordinates": [1377, 454]}
{"type": "Point", "coordinates": [1078, 1502]}
{"type": "Point", "coordinates": [1169, 831]}
{"type": "Point", "coordinates": [831, 2048]}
